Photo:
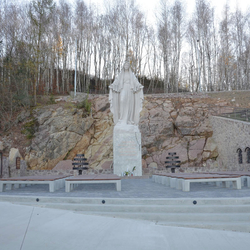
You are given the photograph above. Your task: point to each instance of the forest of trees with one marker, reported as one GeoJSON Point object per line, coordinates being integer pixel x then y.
{"type": "Point", "coordinates": [180, 52]}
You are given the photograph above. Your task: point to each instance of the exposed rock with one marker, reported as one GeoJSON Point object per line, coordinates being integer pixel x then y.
{"type": "Point", "coordinates": [7, 142]}
{"type": "Point", "coordinates": [168, 123]}
{"type": "Point", "coordinates": [210, 150]}
{"type": "Point", "coordinates": [63, 165]}
{"type": "Point", "coordinates": [58, 132]}
{"type": "Point", "coordinates": [23, 116]}
{"type": "Point", "coordinates": [196, 148]}
{"type": "Point", "coordinates": [107, 165]}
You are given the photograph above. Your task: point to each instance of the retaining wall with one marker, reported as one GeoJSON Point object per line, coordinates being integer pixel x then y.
{"type": "Point", "coordinates": [231, 135]}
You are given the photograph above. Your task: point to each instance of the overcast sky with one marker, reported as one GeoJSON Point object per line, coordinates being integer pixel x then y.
{"type": "Point", "coordinates": [149, 7]}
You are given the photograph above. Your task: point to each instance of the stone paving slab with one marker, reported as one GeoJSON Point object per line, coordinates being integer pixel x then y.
{"type": "Point", "coordinates": [133, 188]}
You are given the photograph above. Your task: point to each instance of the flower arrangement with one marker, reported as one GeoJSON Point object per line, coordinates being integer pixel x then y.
{"type": "Point", "coordinates": [128, 173]}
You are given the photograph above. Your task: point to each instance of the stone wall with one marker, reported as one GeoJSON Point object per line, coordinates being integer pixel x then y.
{"type": "Point", "coordinates": [178, 124]}
{"type": "Point", "coordinates": [24, 171]}
{"type": "Point", "coordinates": [168, 123]}
{"type": "Point", "coordinates": [215, 152]}
{"type": "Point", "coordinates": [71, 172]}
{"type": "Point", "coordinates": [5, 169]}
{"type": "Point", "coordinates": [9, 170]}
{"type": "Point", "coordinates": [231, 135]}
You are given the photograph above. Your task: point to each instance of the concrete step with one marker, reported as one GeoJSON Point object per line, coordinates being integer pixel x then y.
{"type": "Point", "coordinates": [177, 218]}
{"type": "Point", "coordinates": [225, 214]}
{"type": "Point", "coordinates": [177, 209]}
{"type": "Point", "coordinates": [128, 201]}
{"type": "Point", "coordinates": [156, 213]}
{"type": "Point", "coordinates": [228, 226]}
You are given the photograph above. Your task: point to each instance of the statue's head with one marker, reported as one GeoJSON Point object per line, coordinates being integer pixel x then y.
{"type": "Point", "coordinates": [126, 65]}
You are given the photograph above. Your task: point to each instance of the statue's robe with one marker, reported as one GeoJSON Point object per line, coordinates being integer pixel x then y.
{"type": "Point", "coordinates": [125, 97]}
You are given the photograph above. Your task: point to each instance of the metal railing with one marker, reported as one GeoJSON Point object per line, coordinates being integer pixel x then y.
{"type": "Point", "coordinates": [241, 114]}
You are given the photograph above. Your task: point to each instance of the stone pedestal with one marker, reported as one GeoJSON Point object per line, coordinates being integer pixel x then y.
{"type": "Point", "coordinates": [127, 149]}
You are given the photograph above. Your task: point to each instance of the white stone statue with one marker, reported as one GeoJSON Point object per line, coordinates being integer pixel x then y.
{"type": "Point", "coordinates": [126, 97]}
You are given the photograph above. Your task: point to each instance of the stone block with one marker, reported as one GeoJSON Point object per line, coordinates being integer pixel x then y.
{"type": "Point", "coordinates": [127, 149]}
{"type": "Point", "coordinates": [153, 165]}
{"type": "Point", "coordinates": [149, 160]}
{"type": "Point", "coordinates": [210, 145]}
{"type": "Point", "coordinates": [14, 153]}
{"type": "Point", "coordinates": [197, 144]}
{"type": "Point", "coordinates": [144, 164]}
{"type": "Point", "coordinates": [106, 165]}
{"type": "Point", "coordinates": [193, 154]}
{"type": "Point", "coordinates": [181, 151]}
{"type": "Point", "coordinates": [63, 165]}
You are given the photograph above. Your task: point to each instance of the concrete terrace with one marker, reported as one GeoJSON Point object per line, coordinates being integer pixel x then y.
{"type": "Point", "coordinates": [144, 215]}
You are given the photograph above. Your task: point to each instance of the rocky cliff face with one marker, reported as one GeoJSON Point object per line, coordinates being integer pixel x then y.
{"type": "Point", "coordinates": [177, 124]}
{"type": "Point", "coordinates": [58, 131]}
{"type": "Point", "coordinates": [168, 123]}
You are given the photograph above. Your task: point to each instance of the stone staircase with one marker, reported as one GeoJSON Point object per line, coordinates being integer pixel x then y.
{"type": "Point", "coordinates": [219, 213]}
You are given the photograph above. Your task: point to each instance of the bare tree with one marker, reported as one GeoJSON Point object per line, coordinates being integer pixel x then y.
{"type": "Point", "coordinates": [226, 59]}
{"type": "Point", "coordinates": [170, 35]}
{"type": "Point", "coordinates": [37, 48]}
{"type": "Point", "coordinates": [40, 14]}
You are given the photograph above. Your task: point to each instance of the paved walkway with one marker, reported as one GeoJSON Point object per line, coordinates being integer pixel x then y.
{"type": "Point", "coordinates": [34, 228]}
{"type": "Point", "coordinates": [133, 188]}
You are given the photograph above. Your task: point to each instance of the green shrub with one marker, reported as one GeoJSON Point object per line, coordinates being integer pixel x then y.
{"type": "Point", "coordinates": [85, 104]}
{"type": "Point", "coordinates": [29, 128]}
{"type": "Point", "coordinates": [51, 99]}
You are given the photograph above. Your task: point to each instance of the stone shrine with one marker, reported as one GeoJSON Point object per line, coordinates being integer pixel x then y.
{"type": "Point", "coordinates": [126, 97]}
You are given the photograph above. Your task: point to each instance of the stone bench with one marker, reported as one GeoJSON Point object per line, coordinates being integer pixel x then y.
{"type": "Point", "coordinates": [54, 181]}
{"type": "Point", "coordinates": [70, 183]}
{"type": "Point", "coordinates": [182, 181]}
{"type": "Point", "coordinates": [245, 176]}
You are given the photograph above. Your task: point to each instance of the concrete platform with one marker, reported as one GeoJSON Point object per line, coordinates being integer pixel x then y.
{"type": "Point", "coordinates": [29, 228]}
{"type": "Point", "coordinates": [143, 215]}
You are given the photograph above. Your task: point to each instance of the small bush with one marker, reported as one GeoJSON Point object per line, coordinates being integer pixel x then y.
{"type": "Point", "coordinates": [22, 99]}
{"type": "Point", "coordinates": [85, 104]}
{"type": "Point", "coordinates": [80, 105]}
{"type": "Point", "coordinates": [29, 128]}
{"type": "Point", "coordinates": [51, 99]}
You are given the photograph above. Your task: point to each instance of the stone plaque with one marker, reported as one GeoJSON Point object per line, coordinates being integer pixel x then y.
{"type": "Point", "coordinates": [127, 150]}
